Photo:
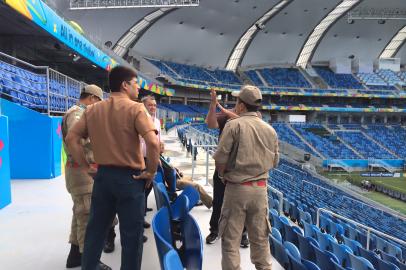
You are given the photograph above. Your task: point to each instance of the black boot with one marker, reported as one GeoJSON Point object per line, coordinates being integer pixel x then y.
{"type": "Point", "coordinates": [74, 257]}
{"type": "Point", "coordinates": [109, 242]}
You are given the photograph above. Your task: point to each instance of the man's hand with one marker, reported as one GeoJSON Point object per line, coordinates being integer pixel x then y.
{"type": "Point", "coordinates": [213, 97]}
{"type": "Point", "coordinates": [147, 176]}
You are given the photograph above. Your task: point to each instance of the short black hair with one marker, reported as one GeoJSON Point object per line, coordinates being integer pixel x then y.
{"type": "Point", "coordinates": [84, 95]}
{"type": "Point", "coordinates": [250, 108]}
{"type": "Point", "coordinates": [118, 75]}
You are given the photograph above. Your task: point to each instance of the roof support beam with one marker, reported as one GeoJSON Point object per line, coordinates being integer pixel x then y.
{"type": "Point", "coordinates": [244, 42]}
{"type": "Point", "coordinates": [130, 37]}
{"type": "Point", "coordinates": [395, 44]}
{"type": "Point", "coordinates": [313, 40]}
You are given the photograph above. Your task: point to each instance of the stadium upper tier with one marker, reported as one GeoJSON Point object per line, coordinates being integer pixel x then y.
{"type": "Point", "coordinates": [346, 81]}
{"type": "Point", "coordinates": [285, 77]}
{"type": "Point", "coordinates": [292, 78]}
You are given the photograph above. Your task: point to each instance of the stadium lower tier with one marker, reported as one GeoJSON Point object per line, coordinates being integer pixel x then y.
{"type": "Point", "coordinates": [335, 243]}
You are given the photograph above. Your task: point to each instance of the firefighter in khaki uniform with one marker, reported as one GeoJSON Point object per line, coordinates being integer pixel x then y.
{"type": "Point", "coordinates": [247, 150]}
{"type": "Point", "coordinates": [78, 182]}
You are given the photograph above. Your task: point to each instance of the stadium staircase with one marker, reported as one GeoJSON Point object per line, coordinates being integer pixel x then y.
{"type": "Point", "coordinates": [379, 144]}
{"type": "Point", "coordinates": [349, 146]}
{"type": "Point", "coordinates": [262, 78]}
{"type": "Point", "coordinates": [305, 141]}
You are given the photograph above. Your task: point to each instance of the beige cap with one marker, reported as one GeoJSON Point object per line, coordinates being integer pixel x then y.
{"type": "Point", "coordinates": [249, 94]}
{"type": "Point", "coordinates": [94, 90]}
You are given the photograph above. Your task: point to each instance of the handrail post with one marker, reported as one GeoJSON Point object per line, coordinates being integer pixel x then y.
{"type": "Point", "coordinates": [318, 217]}
{"type": "Point", "coordinates": [48, 95]}
{"type": "Point", "coordinates": [207, 166]}
{"type": "Point", "coordinates": [368, 238]}
{"type": "Point", "coordinates": [66, 94]}
{"type": "Point", "coordinates": [193, 161]}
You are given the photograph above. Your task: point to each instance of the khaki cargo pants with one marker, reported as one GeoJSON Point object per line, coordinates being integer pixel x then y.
{"type": "Point", "coordinates": [80, 186]}
{"type": "Point", "coordinates": [245, 205]}
{"type": "Point", "coordinates": [80, 217]}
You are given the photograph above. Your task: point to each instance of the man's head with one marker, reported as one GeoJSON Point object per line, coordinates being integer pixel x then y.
{"type": "Point", "coordinates": [248, 99]}
{"type": "Point", "coordinates": [150, 103]}
{"type": "Point", "coordinates": [91, 94]}
{"type": "Point", "coordinates": [124, 79]}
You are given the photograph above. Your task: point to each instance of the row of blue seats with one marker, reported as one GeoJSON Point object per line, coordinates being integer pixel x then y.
{"type": "Point", "coordinates": [334, 80]}
{"type": "Point", "coordinates": [181, 108]}
{"type": "Point", "coordinates": [177, 234]}
{"type": "Point", "coordinates": [307, 192]}
{"type": "Point", "coordinates": [285, 77]}
{"type": "Point", "coordinates": [363, 145]}
{"type": "Point", "coordinates": [21, 73]}
{"type": "Point", "coordinates": [327, 146]}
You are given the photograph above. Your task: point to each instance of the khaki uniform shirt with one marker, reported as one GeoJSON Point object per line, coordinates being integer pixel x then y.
{"type": "Point", "coordinates": [114, 126]}
{"type": "Point", "coordinates": [248, 147]}
{"type": "Point", "coordinates": [71, 117]}
{"type": "Point", "coordinates": [78, 182]}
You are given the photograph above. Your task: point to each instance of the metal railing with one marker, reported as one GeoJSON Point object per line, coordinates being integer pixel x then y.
{"type": "Point", "coordinates": [37, 87]}
{"type": "Point", "coordinates": [206, 146]}
{"type": "Point", "coordinates": [367, 228]}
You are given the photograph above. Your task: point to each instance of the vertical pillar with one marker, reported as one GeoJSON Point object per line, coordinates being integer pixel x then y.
{"type": "Point", "coordinates": [5, 186]}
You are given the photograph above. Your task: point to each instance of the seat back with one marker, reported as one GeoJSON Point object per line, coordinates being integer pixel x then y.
{"type": "Point", "coordinates": [360, 263]}
{"type": "Point", "coordinates": [394, 250]}
{"type": "Point", "coordinates": [383, 265]}
{"type": "Point", "coordinates": [172, 261]}
{"type": "Point", "coordinates": [192, 243]}
{"type": "Point", "coordinates": [162, 233]}
{"type": "Point", "coordinates": [323, 258]}
{"type": "Point", "coordinates": [279, 252]}
{"type": "Point", "coordinates": [341, 251]}
{"type": "Point", "coordinates": [307, 252]}
{"type": "Point", "coordinates": [276, 221]}
{"type": "Point", "coordinates": [324, 240]}
{"type": "Point", "coordinates": [294, 258]}
{"type": "Point", "coordinates": [389, 258]}
{"type": "Point", "coordinates": [162, 198]}
{"type": "Point", "coordinates": [371, 256]}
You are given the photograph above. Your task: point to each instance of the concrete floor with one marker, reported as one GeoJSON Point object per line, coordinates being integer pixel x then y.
{"type": "Point", "coordinates": [34, 229]}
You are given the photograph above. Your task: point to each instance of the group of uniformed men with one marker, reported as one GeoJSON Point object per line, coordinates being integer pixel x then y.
{"type": "Point", "coordinates": [113, 149]}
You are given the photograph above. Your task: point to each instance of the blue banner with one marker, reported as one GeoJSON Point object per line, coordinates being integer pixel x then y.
{"type": "Point", "coordinates": [38, 12]}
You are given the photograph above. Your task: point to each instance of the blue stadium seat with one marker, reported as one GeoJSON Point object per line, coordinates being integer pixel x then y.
{"type": "Point", "coordinates": [192, 244]}
{"type": "Point", "coordinates": [162, 233]}
{"type": "Point", "coordinates": [172, 261]}
{"type": "Point", "coordinates": [360, 263]}
{"type": "Point", "coordinates": [294, 257]}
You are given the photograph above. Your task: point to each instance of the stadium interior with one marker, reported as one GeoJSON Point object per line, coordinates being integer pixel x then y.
{"type": "Point", "coordinates": [333, 78]}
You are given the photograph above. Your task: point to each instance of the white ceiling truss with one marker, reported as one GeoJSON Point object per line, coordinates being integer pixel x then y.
{"type": "Point", "coordinates": [131, 36]}
{"type": "Point", "coordinates": [395, 44]}
{"type": "Point", "coordinates": [243, 43]}
{"type": "Point", "coordinates": [306, 54]}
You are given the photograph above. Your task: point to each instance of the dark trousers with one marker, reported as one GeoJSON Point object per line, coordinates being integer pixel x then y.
{"type": "Point", "coordinates": [116, 192]}
{"type": "Point", "coordinates": [218, 197]}
{"type": "Point", "coordinates": [147, 192]}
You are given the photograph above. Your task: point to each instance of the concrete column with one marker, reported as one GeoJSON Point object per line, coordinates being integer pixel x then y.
{"type": "Point", "coordinates": [185, 101]}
